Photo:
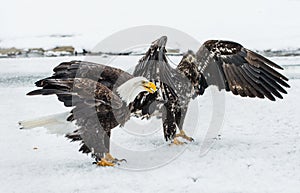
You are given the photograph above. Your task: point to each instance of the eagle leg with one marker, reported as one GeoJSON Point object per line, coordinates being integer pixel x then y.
{"type": "Point", "coordinates": [104, 162]}
{"type": "Point", "coordinates": [109, 160]}
{"type": "Point", "coordinates": [179, 117]}
{"type": "Point", "coordinates": [114, 160]}
{"type": "Point", "coordinates": [176, 141]}
{"type": "Point", "coordinates": [184, 136]}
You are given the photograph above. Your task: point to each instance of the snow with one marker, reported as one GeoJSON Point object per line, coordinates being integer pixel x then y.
{"type": "Point", "coordinates": [258, 150]}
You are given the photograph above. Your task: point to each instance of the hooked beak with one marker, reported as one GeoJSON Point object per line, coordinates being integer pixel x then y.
{"type": "Point", "coordinates": [150, 87]}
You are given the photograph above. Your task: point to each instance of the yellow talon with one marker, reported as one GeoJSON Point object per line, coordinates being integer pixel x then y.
{"type": "Point", "coordinates": [109, 157]}
{"type": "Point", "coordinates": [184, 136]}
{"type": "Point", "coordinates": [105, 162]}
{"type": "Point", "coordinates": [109, 160]}
{"type": "Point", "coordinates": [177, 142]}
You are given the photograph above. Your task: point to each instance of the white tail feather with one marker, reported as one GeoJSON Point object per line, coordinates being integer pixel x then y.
{"type": "Point", "coordinates": [55, 124]}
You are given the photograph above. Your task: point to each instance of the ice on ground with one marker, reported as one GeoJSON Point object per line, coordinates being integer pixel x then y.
{"type": "Point", "coordinates": [258, 150]}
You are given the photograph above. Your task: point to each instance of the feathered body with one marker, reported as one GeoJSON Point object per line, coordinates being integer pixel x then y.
{"type": "Point", "coordinates": [97, 94]}
{"type": "Point", "coordinates": [224, 64]}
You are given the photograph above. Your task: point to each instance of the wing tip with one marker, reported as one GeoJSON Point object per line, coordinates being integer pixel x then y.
{"type": "Point", "coordinates": [34, 92]}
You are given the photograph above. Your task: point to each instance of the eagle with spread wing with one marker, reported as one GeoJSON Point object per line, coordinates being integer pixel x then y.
{"type": "Point", "coordinates": [103, 97]}
{"type": "Point", "coordinates": [225, 64]}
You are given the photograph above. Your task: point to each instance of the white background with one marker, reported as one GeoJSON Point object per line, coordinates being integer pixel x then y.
{"type": "Point", "coordinates": [256, 24]}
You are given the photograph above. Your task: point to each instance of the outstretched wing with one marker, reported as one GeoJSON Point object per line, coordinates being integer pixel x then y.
{"type": "Point", "coordinates": [88, 88]}
{"type": "Point", "coordinates": [173, 87]}
{"type": "Point", "coordinates": [108, 76]}
{"type": "Point", "coordinates": [230, 66]}
{"type": "Point", "coordinates": [155, 67]}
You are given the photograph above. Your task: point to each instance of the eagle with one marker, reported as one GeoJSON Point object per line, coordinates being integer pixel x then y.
{"type": "Point", "coordinates": [224, 64]}
{"type": "Point", "coordinates": [103, 97]}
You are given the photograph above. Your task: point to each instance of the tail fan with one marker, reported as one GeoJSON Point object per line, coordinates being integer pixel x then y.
{"type": "Point", "coordinates": [55, 124]}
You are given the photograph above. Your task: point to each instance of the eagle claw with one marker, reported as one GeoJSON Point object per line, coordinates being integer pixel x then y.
{"type": "Point", "coordinates": [117, 161]}
{"type": "Point", "coordinates": [103, 162]}
{"type": "Point", "coordinates": [177, 142]}
{"type": "Point", "coordinates": [184, 136]}
{"type": "Point", "coordinates": [109, 160]}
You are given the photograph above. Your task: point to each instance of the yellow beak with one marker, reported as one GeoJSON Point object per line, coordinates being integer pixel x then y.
{"type": "Point", "coordinates": [150, 87]}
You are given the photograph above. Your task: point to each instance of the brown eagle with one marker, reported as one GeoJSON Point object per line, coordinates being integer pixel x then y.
{"type": "Point", "coordinates": [225, 64]}
{"type": "Point", "coordinates": [104, 97]}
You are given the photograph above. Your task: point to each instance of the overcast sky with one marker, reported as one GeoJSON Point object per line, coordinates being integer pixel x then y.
{"type": "Point", "coordinates": [244, 21]}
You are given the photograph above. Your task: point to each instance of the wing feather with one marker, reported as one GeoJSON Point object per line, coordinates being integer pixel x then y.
{"type": "Point", "coordinates": [244, 84]}
{"type": "Point", "coordinates": [251, 85]}
{"type": "Point", "coordinates": [89, 89]}
{"type": "Point", "coordinates": [230, 66]}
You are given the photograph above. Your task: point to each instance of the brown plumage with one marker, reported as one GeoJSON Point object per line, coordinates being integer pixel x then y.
{"type": "Point", "coordinates": [97, 108]}
{"type": "Point", "coordinates": [91, 89]}
{"type": "Point", "coordinates": [225, 64]}
{"type": "Point", "coordinates": [239, 70]}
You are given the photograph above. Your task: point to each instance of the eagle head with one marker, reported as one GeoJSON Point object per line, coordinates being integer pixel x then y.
{"type": "Point", "coordinates": [189, 67]}
{"type": "Point", "coordinates": [189, 57]}
{"type": "Point", "coordinates": [129, 90]}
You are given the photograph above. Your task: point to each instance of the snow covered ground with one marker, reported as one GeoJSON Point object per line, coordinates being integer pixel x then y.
{"type": "Point", "coordinates": [258, 150]}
